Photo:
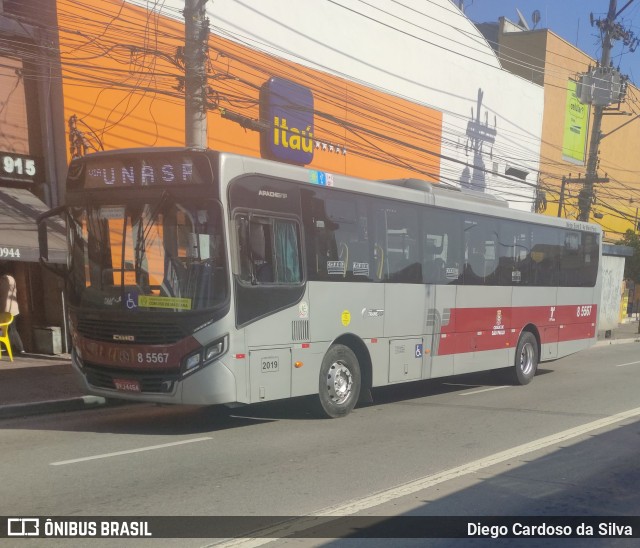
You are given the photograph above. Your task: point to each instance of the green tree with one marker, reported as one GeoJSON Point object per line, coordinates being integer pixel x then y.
{"type": "Point", "coordinates": [632, 264]}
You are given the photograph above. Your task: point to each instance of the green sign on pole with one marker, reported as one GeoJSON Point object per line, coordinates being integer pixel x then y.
{"type": "Point", "coordinates": [576, 124]}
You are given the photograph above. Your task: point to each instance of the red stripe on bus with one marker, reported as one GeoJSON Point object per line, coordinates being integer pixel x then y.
{"type": "Point", "coordinates": [481, 329]}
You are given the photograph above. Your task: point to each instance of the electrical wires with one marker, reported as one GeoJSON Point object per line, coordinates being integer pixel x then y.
{"type": "Point", "coordinates": [123, 76]}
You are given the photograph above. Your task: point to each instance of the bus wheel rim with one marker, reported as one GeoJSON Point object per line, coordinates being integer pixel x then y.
{"type": "Point", "coordinates": [339, 382]}
{"type": "Point", "coordinates": [526, 359]}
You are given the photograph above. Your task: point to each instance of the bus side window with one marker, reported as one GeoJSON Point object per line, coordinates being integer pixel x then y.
{"type": "Point", "coordinates": [262, 266]}
{"type": "Point", "coordinates": [286, 255]}
{"type": "Point", "coordinates": [268, 250]}
{"type": "Point", "coordinates": [481, 248]}
{"type": "Point", "coordinates": [474, 263]}
{"type": "Point", "coordinates": [338, 241]}
{"type": "Point", "coordinates": [514, 246]}
{"type": "Point", "coordinates": [331, 252]}
{"type": "Point", "coordinates": [434, 265]}
{"type": "Point", "coordinates": [579, 259]}
{"type": "Point", "coordinates": [244, 252]}
{"type": "Point", "coordinates": [589, 272]}
{"type": "Point", "coordinates": [544, 257]}
{"type": "Point", "coordinates": [398, 228]}
{"type": "Point", "coordinates": [340, 229]}
{"type": "Point", "coordinates": [442, 246]}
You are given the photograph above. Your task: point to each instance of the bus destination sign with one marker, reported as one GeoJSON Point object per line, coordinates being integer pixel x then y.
{"type": "Point", "coordinates": [149, 170]}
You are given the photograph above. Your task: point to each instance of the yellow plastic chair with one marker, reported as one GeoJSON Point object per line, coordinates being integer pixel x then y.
{"type": "Point", "coordinates": [5, 320]}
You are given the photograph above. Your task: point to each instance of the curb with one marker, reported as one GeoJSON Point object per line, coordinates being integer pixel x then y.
{"type": "Point", "coordinates": [51, 406]}
{"type": "Point", "coordinates": [45, 357]}
{"type": "Point", "coordinates": [607, 342]}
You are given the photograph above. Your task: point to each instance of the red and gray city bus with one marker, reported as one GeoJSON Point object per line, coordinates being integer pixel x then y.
{"type": "Point", "coordinates": [198, 277]}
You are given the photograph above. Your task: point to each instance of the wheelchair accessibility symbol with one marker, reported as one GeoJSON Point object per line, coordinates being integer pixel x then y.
{"type": "Point", "coordinates": [418, 350]}
{"type": "Point", "coordinates": [131, 301]}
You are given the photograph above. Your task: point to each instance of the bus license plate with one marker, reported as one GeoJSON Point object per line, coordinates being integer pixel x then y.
{"type": "Point", "coordinates": [269, 364]}
{"type": "Point", "coordinates": [127, 385]}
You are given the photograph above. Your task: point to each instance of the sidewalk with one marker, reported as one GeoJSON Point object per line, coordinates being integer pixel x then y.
{"type": "Point", "coordinates": [34, 384]}
{"type": "Point", "coordinates": [625, 332]}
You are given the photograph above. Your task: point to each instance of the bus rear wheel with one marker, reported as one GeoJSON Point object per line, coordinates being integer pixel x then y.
{"type": "Point", "coordinates": [339, 383]}
{"type": "Point", "coordinates": [526, 359]}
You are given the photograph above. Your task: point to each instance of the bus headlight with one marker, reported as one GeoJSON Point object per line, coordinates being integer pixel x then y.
{"type": "Point", "coordinates": [213, 350]}
{"type": "Point", "coordinates": [193, 361]}
{"type": "Point", "coordinates": [205, 356]}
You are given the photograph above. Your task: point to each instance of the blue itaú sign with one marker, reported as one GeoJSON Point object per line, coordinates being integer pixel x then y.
{"type": "Point", "coordinates": [288, 107]}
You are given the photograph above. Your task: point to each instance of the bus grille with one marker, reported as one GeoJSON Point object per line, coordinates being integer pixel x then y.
{"type": "Point", "coordinates": [150, 383]}
{"type": "Point", "coordinates": [142, 332]}
{"type": "Point", "coordinates": [300, 330]}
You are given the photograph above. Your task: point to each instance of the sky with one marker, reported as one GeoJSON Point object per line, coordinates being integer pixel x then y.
{"type": "Point", "coordinates": [570, 20]}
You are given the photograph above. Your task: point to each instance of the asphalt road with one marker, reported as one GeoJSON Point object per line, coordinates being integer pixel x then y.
{"type": "Point", "coordinates": [565, 445]}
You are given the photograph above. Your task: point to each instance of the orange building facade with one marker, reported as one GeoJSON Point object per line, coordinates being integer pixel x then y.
{"type": "Point", "coordinates": [132, 96]}
{"type": "Point", "coordinates": [381, 94]}
{"type": "Point", "coordinates": [543, 57]}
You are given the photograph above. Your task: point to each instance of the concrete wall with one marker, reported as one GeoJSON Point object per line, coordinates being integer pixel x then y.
{"type": "Point", "coordinates": [612, 286]}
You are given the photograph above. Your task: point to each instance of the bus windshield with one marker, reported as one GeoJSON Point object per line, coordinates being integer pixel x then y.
{"type": "Point", "coordinates": [159, 256]}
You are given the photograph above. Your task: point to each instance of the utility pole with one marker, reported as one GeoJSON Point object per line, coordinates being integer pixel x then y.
{"type": "Point", "coordinates": [196, 34]}
{"type": "Point", "coordinates": [566, 180]}
{"type": "Point", "coordinates": [586, 194]}
{"type": "Point", "coordinates": [601, 87]}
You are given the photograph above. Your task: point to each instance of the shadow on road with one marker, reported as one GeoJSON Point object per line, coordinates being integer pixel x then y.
{"type": "Point", "coordinates": [157, 419]}
{"type": "Point", "coordinates": [587, 482]}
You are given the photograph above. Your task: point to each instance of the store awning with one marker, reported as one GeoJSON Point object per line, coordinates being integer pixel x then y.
{"type": "Point", "coordinates": [19, 210]}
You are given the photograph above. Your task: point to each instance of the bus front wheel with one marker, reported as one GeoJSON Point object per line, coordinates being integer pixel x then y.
{"type": "Point", "coordinates": [340, 381]}
{"type": "Point", "coordinates": [526, 359]}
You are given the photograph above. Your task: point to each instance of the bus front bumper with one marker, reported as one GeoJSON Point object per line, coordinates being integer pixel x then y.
{"type": "Point", "coordinates": [211, 385]}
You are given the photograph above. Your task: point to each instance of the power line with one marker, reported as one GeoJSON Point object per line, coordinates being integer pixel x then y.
{"type": "Point", "coordinates": [163, 85]}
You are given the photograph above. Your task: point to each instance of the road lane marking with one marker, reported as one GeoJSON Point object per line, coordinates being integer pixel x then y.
{"type": "Point", "coordinates": [483, 390]}
{"type": "Point", "coordinates": [623, 364]}
{"type": "Point", "coordinates": [297, 525]}
{"type": "Point", "coordinates": [263, 419]}
{"type": "Point", "coordinates": [118, 453]}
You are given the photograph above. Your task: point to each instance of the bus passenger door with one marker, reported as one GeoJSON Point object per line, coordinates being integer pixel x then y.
{"type": "Point", "coordinates": [441, 244]}
{"type": "Point", "coordinates": [549, 326]}
{"type": "Point", "coordinates": [397, 237]}
{"type": "Point", "coordinates": [404, 322]}
{"type": "Point", "coordinates": [440, 330]}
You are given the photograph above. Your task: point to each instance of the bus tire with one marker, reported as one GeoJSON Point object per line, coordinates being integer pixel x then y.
{"type": "Point", "coordinates": [339, 383]}
{"type": "Point", "coordinates": [526, 359]}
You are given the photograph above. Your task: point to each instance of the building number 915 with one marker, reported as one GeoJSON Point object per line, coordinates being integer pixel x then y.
{"type": "Point", "coordinates": [18, 166]}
